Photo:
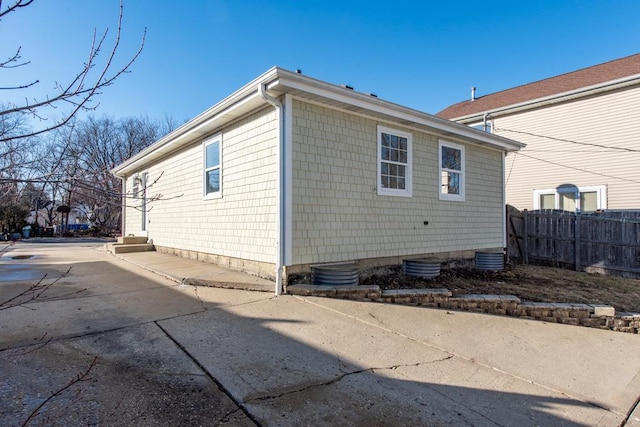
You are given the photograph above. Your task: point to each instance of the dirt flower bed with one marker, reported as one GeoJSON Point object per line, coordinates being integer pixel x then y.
{"type": "Point", "coordinates": [529, 283]}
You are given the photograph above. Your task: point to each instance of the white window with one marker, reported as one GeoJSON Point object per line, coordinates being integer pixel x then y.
{"type": "Point", "coordinates": [571, 198]}
{"type": "Point", "coordinates": [213, 167]}
{"type": "Point", "coordinates": [394, 162]}
{"type": "Point", "coordinates": [451, 167]}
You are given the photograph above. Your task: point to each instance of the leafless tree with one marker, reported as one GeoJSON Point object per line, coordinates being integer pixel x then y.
{"type": "Point", "coordinates": [12, 154]}
{"type": "Point", "coordinates": [106, 143]}
{"type": "Point", "coordinates": [77, 94]}
{"type": "Point", "coordinates": [71, 166]}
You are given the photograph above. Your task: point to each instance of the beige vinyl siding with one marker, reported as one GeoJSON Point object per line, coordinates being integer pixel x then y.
{"type": "Point", "coordinates": [608, 119]}
{"type": "Point", "coordinates": [240, 224]}
{"type": "Point", "coordinates": [338, 215]}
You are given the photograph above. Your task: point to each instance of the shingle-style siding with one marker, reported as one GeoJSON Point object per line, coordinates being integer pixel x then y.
{"type": "Point", "coordinates": [240, 224]}
{"type": "Point", "coordinates": [609, 119]}
{"type": "Point", "coordinates": [338, 215]}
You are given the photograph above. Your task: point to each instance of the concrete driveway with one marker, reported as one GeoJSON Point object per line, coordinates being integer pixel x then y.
{"type": "Point", "coordinates": [111, 343]}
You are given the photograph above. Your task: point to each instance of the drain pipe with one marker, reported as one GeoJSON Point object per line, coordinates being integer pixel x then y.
{"type": "Point", "coordinates": [280, 183]}
{"type": "Point", "coordinates": [123, 202]}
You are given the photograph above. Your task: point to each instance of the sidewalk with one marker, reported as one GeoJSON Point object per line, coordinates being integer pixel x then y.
{"type": "Point", "coordinates": [167, 352]}
{"type": "Point", "coordinates": [487, 368]}
{"type": "Point", "coordinates": [197, 273]}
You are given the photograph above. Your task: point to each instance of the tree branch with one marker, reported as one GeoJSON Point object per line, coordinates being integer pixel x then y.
{"type": "Point", "coordinates": [76, 93]}
{"type": "Point", "coordinates": [17, 5]}
{"type": "Point", "coordinates": [81, 377]}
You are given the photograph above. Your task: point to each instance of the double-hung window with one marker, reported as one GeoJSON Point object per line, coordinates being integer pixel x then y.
{"type": "Point", "coordinates": [213, 167]}
{"type": "Point", "coordinates": [451, 176]}
{"type": "Point", "coordinates": [394, 162]}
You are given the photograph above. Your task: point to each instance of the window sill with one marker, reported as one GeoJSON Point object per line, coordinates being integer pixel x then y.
{"type": "Point", "coordinates": [451, 198]}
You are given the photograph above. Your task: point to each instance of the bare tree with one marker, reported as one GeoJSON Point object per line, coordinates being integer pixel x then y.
{"type": "Point", "coordinates": [106, 143]}
{"type": "Point", "coordinates": [12, 154]}
{"type": "Point", "coordinates": [71, 166]}
{"type": "Point", "coordinates": [76, 94]}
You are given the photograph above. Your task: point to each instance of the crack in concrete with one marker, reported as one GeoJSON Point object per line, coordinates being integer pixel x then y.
{"type": "Point", "coordinates": [240, 406]}
{"type": "Point", "coordinates": [195, 291]}
{"type": "Point", "coordinates": [343, 376]}
{"type": "Point", "coordinates": [117, 328]}
{"type": "Point", "coordinates": [634, 407]}
{"type": "Point", "coordinates": [226, 417]}
{"type": "Point", "coordinates": [439, 348]}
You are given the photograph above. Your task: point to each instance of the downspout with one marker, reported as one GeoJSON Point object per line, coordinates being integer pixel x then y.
{"type": "Point", "coordinates": [504, 202]}
{"type": "Point", "coordinates": [123, 208]}
{"type": "Point", "coordinates": [280, 185]}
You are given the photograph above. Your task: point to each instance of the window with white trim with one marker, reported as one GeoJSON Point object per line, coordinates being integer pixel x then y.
{"type": "Point", "coordinates": [394, 162]}
{"type": "Point", "coordinates": [451, 171]}
{"type": "Point", "coordinates": [571, 198]}
{"type": "Point", "coordinates": [213, 167]}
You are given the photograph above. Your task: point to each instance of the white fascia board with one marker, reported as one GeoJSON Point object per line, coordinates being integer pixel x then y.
{"type": "Point", "coordinates": [219, 114]}
{"type": "Point", "coordinates": [368, 102]}
{"type": "Point", "coordinates": [552, 99]}
{"type": "Point", "coordinates": [200, 125]}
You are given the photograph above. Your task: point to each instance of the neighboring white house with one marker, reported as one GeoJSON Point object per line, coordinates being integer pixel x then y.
{"type": "Point", "coordinates": [582, 131]}
{"type": "Point", "coordinates": [290, 171]}
{"type": "Point", "coordinates": [78, 216]}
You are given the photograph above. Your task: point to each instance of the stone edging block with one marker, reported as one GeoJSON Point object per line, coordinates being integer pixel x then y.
{"type": "Point", "coordinates": [590, 315]}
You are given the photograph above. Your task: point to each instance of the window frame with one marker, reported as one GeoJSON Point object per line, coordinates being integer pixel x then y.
{"type": "Point", "coordinates": [461, 196]}
{"type": "Point", "coordinates": [408, 188]}
{"type": "Point", "coordinates": [206, 143]}
{"type": "Point", "coordinates": [600, 190]}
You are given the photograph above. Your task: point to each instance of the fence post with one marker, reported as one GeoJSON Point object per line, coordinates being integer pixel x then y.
{"type": "Point", "coordinates": [577, 240]}
{"type": "Point", "coordinates": [525, 237]}
{"type": "Point", "coordinates": [506, 231]}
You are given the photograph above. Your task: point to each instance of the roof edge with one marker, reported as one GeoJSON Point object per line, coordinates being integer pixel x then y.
{"type": "Point", "coordinates": [281, 80]}
{"type": "Point", "coordinates": [322, 88]}
{"type": "Point", "coordinates": [184, 131]}
{"type": "Point", "coordinates": [557, 98]}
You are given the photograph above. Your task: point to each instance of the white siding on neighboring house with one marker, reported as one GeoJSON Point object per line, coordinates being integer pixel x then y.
{"type": "Point", "coordinates": [241, 223]}
{"type": "Point", "coordinates": [338, 214]}
{"type": "Point", "coordinates": [607, 119]}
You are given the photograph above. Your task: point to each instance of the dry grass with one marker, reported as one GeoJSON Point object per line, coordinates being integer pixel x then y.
{"type": "Point", "coordinates": [529, 283]}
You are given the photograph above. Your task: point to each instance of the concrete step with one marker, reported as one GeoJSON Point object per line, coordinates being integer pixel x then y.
{"type": "Point", "coordinates": [132, 240]}
{"type": "Point", "coordinates": [128, 248]}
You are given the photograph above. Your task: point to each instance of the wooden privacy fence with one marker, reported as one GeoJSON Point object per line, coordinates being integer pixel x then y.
{"type": "Point", "coordinates": [603, 242]}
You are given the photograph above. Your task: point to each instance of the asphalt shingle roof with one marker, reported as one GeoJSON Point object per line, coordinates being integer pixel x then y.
{"type": "Point", "coordinates": [585, 77]}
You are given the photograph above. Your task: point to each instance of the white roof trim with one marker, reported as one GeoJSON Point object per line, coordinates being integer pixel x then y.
{"type": "Point", "coordinates": [201, 125]}
{"type": "Point", "coordinates": [282, 81]}
{"type": "Point", "coordinates": [553, 99]}
{"type": "Point", "coordinates": [367, 102]}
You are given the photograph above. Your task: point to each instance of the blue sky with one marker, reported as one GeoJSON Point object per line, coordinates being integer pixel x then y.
{"type": "Point", "coordinates": [422, 54]}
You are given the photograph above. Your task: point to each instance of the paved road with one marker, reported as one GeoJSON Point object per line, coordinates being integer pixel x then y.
{"type": "Point", "coordinates": [120, 345]}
